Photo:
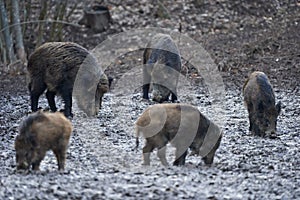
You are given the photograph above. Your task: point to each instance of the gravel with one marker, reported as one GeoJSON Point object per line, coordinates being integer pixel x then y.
{"type": "Point", "coordinates": [101, 163]}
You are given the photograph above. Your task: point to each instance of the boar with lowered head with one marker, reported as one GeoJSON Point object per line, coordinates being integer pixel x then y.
{"type": "Point", "coordinates": [54, 66]}
{"type": "Point", "coordinates": [183, 126]}
{"type": "Point", "coordinates": [38, 133]}
{"type": "Point", "coordinates": [162, 65]}
{"type": "Point", "coordinates": [260, 102]}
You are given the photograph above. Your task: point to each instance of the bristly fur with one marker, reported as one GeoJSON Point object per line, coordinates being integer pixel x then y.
{"type": "Point", "coordinates": [182, 125]}
{"type": "Point", "coordinates": [40, 132]}
{"type": "Point", "coordinates": [54, 67]}
{"type": "Point", "coordinates": [259, 100]}
{"type": "Point", "coordinates": [27, 123]}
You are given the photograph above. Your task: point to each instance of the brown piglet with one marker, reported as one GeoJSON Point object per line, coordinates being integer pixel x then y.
{"type": "Point", "coordinates": [38, 133]}
{"type": "Point", "coordinates": [184, 126]}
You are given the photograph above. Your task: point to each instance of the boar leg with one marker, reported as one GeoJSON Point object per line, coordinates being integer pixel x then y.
{"type": "Point", "coordinates": [67, 97]}
{"type": "Point", "coordinates": [146, 82]}
{"type": "Point", "coordinates": [209, 158]}
{"type": "Point", "coordinates": [146, 91]}
{"type": "Point", "coordinates": [100, 103]}
{"type": "Point", "coordinates": [255, 130]}
{"type": "Point", "coordinates": [251, 121]}
{"type": "Point", "coordinates": [174, 97]}
{"type": "Point", "coordinates": [51, 100]}
{"type": "Point", "coordinates": [161, 154]}
{"type": "Point", "coordinates": [37, 162]}
{"type": "Point", "coordinates": [60, 157]}
{"type": "Point", "coordinates": [147, 149]}
{"type": "Point", "coordinates": [180, 158]}
{"type": "Point", "coordinates": [161, 146]}
{"type": "Point", "coordinates": [35, 92]}
{"type": "Point", "coordinates": [36, 165]}
{"type": "Point", "coordinates": [251, 124]}
{"type": "Point", "coordinates": [250, 110]}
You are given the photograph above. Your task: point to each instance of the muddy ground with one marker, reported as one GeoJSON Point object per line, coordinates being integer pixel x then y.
{"type": "Point", "coordinates": [101, 164]}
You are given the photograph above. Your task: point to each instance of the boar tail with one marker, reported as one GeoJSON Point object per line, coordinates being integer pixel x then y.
{"type": "Point", "coordinates": [137, 142]}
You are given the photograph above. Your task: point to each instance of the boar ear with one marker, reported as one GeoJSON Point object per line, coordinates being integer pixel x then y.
{"type": "Point", "coordinates": [278, 107]}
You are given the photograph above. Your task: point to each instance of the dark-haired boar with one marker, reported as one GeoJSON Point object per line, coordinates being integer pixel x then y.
{"type": "Point", "coordinates": [259, 99]}
{"type": "Point", "coordinates": [183, 126]}
{"type": "Point", "coordinates": [161, 68]}
{"type": "Point", "coordinates": [38, 133]}
{"type": "Point", "coordinates": [54, 66]}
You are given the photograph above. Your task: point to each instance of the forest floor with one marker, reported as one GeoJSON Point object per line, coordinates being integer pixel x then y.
{"type": "Point", "coordinates": [239, 37]}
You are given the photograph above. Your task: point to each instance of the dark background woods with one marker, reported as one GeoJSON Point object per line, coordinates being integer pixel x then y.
{"type": "Point", "coordinates": [241, 36]}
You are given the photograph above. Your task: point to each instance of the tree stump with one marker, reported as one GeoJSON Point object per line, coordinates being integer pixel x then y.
{"type": "Point", "coordinates": [97, 18]}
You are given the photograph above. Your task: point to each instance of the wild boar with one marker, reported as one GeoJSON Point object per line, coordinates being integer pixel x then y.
{"type": "Point", "coordinates": [259, 99]}
{"type": "Point", "coordinates": [183, 126]}
{"type": "Point", "coordinates": [38, 133]}
{"type": "Point", "coordinates": [161, 68]}
{"type": "Point", "coordinates": [54, 66]}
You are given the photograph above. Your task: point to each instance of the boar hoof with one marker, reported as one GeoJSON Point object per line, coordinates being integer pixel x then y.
{"type": "Point", "coordinates": [46, 109]}
{"type": "Point", "coordinates": [68, 115]}
{"type": "Point", "coordinates": [194, 153]}
{"type": "Point", "coordinates": [145, 164]}
{"type": "Point", "coordinates": [178, 163]}
{"type": "Point", "coordinates": [272, 136]}
{"type": "Point", "coordinates": [145, 100]}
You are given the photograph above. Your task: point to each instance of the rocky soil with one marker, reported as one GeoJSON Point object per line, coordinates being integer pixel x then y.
{"type": "Point", "coordinates": [240, 37]}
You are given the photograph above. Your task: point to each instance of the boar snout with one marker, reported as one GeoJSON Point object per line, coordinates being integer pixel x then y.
{"type": "Point", "coordinates": [208, 161]}
{"type": "Point", "coordinates": [160, 93]}
{"type": "Point", "coordinates": [271, 133]}
{"type": "Point", "coordinates": [23, 166]}
{"type": "Point", "coordinates": [157, 97]}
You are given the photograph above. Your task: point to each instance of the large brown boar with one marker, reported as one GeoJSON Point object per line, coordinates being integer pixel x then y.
{"type": "Point", "coordinates": [38, 133]}
{"type": "Point", "coordinates": [260, 102]}
{"type": "Point", "coordinates": [54, 66]}
{"type": "Point", "coordinates": [162, 65]}
{"type": "Point", "coordinates": [183, 126]}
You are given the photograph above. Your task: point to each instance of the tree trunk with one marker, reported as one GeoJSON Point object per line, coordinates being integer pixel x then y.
{"type": "Point", "coordinates": [53, 32]}
{"type": "Point", "coordinates": [6, 32]}
{"type": "Point", "coordinates": [18, 32]}
{"type": "Point", "coordinates": [61, 17]}
{"type": "Point", "coordinates": [2, 51]}
{"type": "Point", "coordinates": [27, 13]}
{"type": "Point", "coordinates": [56, 28]}
{"type": "Point", "coordinates": [42, 17]}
